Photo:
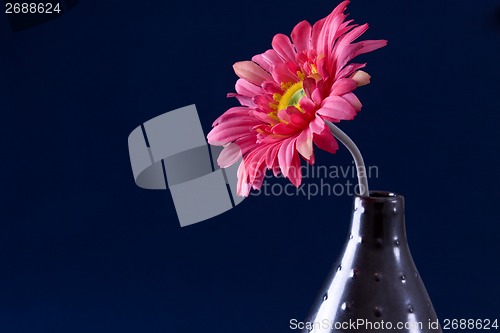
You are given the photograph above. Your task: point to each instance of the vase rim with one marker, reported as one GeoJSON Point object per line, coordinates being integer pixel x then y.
{"type": "Point", "coordinates": [380, 196]}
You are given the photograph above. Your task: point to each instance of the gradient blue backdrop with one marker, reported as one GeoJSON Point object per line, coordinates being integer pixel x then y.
{"type": "Point", "coordinates": [82, 249]}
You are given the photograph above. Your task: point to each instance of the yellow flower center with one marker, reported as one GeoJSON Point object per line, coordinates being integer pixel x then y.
{"type": "Point", "coordinates": [292, 96]}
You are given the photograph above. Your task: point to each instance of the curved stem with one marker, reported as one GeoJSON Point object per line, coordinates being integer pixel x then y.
{"type": "Point", "coordinates": [356, 154]}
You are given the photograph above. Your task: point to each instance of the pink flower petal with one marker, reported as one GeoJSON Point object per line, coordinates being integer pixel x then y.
{"type": "Point", "coordinates": [307, 105]}
{"type": "Point", "coordinates": [246, 143]}
{"type": "Point", "coordinates": [264, 102]}
{"type": "Point", "coordinates": [235, 112]}
{"type": "Point", "coordinates": [343, 50]}
{"type": "Point", "coordinates": [283, 129]}
{"type": "Point", "coordinates": [251, 72]}
{"type": "Point", "coordinates": [304, 143]}
{"type": "Point", "coordinates": [259, 60]}
{"type": "Point", "coordinates": [284, 47]}
{"type": "Point", "coordinates": [243, 87]}
{"type": "Point", "coordinates": [272, 155]}
{"type": "Point", "coordinates": [244, 100]}
{"type": "Point", "coordinates": [230, 131]}
{"type": "Point", "coordinates": [317, 125]}
{"type": "Point", "coordinates": [295, 173]}
{"type": "Point", "coordinates": [321, 91]}
{"type": "Point", "coordinates": [276, 170]}
{"type": "Point", "coordinates": [338, 108]}
{"type": "Point", "coordinates": [343, 86]}
{"type": "Point", "coordinates": [301, 36]}
{"type": "Point", "coordinates": [309, 85]}
{"type": "Point", "coordinates": [344, 28]}
{"type": "Point", "coordinates": [284, 115]}
{"type": "Point", "coordinates": [371, 45]}
{"type": "Point", "coordinates": [328, 32]}
{"type": "Point", "coordinates": [281, 73]}
{"type": "Point", "coordinates": [362, 78]}
{"type": "Point", "coordinates": [260, 173]}
{"type": "Point", "coordinates": [272, 88]}
{"type": "Point", "coordinates": [350, 51]}
{"type": "Point", "coordinates": [326, 141]}
{"type": "Point", "coordinates": [353, 100]}
{"type": "Point", "coordinates": [263, 116]}
{"type": "Point", "coordinates": [299, 120]}
{"type": "Point", "coordinates": [323, 68]}
{"type": "Point", "coordinates": [285, 155]}
{"type": "Point", "coordinates": [272, 57]}
{"type": "Point", "coordinates": [243, 187]}
{"type": "Point", "coordinates": [229, 155]}
{"type": "Point", "coordinates": [349, 69]}
{"type": "Point", "coordinates": [257, 166]}
{"type": "Point", "coordinates": [316, 31]}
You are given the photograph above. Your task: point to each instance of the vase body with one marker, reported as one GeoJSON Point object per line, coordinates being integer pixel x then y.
{"type": "Point", "coordinates": [374, 286]}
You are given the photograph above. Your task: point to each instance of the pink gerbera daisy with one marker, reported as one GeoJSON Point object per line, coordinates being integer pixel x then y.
{"type": "Point", "coordinates": [287, 93]}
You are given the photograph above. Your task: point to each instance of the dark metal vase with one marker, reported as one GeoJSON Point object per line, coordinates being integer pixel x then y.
{"type": "Point", "coordinates": [375, 286]}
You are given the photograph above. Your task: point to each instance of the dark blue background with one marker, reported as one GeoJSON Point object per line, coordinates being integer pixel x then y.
{"type": "Point", "coordinates": [83, 249]}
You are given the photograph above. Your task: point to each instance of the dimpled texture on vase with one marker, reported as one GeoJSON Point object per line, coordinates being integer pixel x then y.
{"type": "Point", "coordinates": [375, 283]}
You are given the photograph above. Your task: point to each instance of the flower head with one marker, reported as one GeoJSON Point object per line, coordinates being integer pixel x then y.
{"type": "Point", "coordinates": [287, 93]}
